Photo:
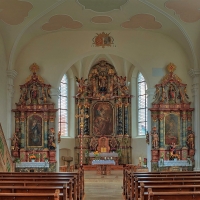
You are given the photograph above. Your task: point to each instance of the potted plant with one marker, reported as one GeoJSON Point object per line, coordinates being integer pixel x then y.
{"type": "Point", "coordinates": [32, 158]}
{"type": "Point", "coordinates": [17, 160]}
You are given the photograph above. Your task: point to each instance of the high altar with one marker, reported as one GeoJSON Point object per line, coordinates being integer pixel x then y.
{"type": "Point", "coordinates": [172, 145]}
{"type": "Point", "coordinates": [34, 135]}
{"type": "Point", "coordinates": [104, 98]}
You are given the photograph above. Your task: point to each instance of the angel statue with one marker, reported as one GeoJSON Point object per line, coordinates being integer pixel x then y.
{"type": "Point", "coordinates": [81, 85]}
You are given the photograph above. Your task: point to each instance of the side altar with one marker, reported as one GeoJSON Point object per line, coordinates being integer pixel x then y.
{"type": "Point", "coordinates": [34, 135]}
{"type": "Point", "coordinates": [172, 135]}
{"type": "Point", "coordinates": [104, 98]}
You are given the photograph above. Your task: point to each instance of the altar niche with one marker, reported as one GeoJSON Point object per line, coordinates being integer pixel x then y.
{"type": "Point", "coordinates": [104, 97]}
{"type": "Point", "coordinates": [172, 122]}
{"type": "Point", "coordinates": [34, 122]}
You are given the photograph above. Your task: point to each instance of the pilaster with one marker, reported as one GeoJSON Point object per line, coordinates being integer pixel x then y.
{"type": "Point", "coordinates": [150, 92]}
{"type": "Point", "coordinates": [11, 75]}
{"type": "Point", "coordinates": [196, 114]}
{"type": "Point", "coordinates": [54, 96]}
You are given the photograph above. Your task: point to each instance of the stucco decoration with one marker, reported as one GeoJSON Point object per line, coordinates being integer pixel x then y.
{"type": "Point", "coordinates": [58, 21]}
{"type": "Point", "coordinates": [101, 19]}
{"type": "Point", "coordinates": [187, 10]}
{"type": "Point", "coordinates": [14, 12]}
{"type": "Point", "coordinates": [145, 21]}
{"type": "Point", "coordinates": [102, 5]}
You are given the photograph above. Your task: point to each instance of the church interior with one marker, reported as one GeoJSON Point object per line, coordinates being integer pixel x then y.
{"type": "Point", "coordinates": [105, 88]}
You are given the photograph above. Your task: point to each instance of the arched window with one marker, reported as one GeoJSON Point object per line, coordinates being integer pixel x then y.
{"type": "Point", "coordinates": [142, 105]}
{"type": "Point", "coordinates": [63, 106]}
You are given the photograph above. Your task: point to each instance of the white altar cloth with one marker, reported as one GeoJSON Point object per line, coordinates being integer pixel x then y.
{"type": "Point", "coordinates": [32, 164]}
{"type": "Point", "coordinates": [175, 163]}
{"type": "Point", "coordinates": [103, 162]}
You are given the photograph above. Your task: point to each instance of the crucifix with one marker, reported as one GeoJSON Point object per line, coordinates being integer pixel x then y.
{"type": "Point", "coordinates": [81, 116]}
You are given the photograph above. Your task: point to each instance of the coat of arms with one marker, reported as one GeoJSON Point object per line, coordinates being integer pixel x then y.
{"type": "Point", "coordinates": [103, 39]}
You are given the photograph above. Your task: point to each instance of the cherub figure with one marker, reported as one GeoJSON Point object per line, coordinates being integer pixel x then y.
{"type": "Point", "coordinates": [81, 85]}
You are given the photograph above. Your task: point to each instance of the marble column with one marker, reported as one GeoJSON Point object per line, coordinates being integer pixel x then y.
{"type": "Point", "coordinates": [54, 97]}
{"type": "Point", "coordinates": [11, 75]}
{"type": "Point", "coordinates": [184, 129]}
{"type": "Point", "coordinates": [150, 123]}
{"type": "Point", "coordinates": [196, 114]}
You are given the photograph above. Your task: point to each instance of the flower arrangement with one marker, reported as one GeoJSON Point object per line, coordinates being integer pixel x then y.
{"type": "Point", "coordinates": [173, 156]}
{"type": "Point", "coordinates": [96, 154]}
{"type": "Point", "coordinates": [32, 157]}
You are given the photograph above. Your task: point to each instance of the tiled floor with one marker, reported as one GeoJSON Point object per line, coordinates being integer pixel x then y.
{"type": "Point", "coordinates": [102, 187]}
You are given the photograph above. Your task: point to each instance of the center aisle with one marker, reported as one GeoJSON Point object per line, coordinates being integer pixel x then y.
{"type": "Point", "coordinates": [103, 187]}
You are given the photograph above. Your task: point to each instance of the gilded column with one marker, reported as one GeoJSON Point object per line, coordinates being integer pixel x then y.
{"type": "Point", "coordinates": [86, 120]}
{"type": "Point", "coordinates": [23, 131]}
{"type": "Point", "coordinates": [120, 118]}
{"type": "Point", "coordinates": [126, 118]}
{"type": "Point", "coordinates": [46, 128]}
{"type": "Point", "coordinates": [161, 130]}
{"type": "Point", "coordinates": [184, 129]}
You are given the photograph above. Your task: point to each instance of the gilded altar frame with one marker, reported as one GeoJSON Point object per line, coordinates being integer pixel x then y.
{"type": "Point", "coordinates": [102, 120]}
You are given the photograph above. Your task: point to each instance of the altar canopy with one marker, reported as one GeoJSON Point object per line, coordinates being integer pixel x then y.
{"type": "Point", "coordinates": [172, 135]}
{"type": "Point", "coordinates": [104, 97]}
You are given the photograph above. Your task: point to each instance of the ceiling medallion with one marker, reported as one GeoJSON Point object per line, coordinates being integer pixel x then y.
{"type": "Point", "coordinates": [103, 40]}
{"type": "Point", "coordinates": [102, 5]}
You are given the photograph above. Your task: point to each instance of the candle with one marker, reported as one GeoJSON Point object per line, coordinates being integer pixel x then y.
{"type": "Point", "coordinates": [140, 159]}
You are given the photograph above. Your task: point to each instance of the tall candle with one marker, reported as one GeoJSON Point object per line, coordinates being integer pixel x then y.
{"type": "Point", "coordinates": [140, 159]}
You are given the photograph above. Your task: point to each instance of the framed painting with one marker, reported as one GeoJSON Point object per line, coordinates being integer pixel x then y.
{"type": "Point", "coordinates": [172, 129]}
{"type": "Point", "coordinates": [34, 131]}
{"type": "Point", "coordinates": [102, 119]}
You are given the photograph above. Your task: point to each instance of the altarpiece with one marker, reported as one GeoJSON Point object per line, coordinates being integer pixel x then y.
{"type": "Point", "coordinates": [104, 97]}
{"type": "Point", "coordinates": [172, 135]}
{"type": "Point", "coordinates": [34, 135]}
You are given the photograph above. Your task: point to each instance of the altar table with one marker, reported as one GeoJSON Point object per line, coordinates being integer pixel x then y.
{"type": "Point", "coordinates": [103, 166]}
{"type": "Point", "coordinates": [104, 156]}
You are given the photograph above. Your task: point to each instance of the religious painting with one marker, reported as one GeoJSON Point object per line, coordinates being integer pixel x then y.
{"type": "Point", "coordinates": [102, 120]}
{"type": "Point", "coordinates": [172, 129]}
{"type": "Point", "coordinates": [35, 135]}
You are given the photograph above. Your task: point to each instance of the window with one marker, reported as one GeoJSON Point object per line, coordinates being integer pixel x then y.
{"type": "Point", "coordinates": [142, 105]}
{"type": "Point", "coordinates": [63, 106]}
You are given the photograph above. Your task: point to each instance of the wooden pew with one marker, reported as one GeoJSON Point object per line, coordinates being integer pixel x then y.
{"type": "Point", "coordinates": [164, 181]}
{"type": "Point", "coordinates": [179, 195]}
{"type": "Point", "coordinates": [31, 196]}
{"type": "Point", "coordinates": [76, 179]}
{"type": "Point", "coordinates": [165, 188]}
{"type": "Point", "coordinates": [129, 176]}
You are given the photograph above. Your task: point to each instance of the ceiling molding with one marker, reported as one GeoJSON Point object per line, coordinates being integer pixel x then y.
{"type": "Point", "coordinates": [173, 20]}
{"type": "Point", "coordinates": [100, 6]}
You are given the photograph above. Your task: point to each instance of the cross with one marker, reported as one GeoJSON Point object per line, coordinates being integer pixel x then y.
{"type": "Point", "coordinates": [81, 116]}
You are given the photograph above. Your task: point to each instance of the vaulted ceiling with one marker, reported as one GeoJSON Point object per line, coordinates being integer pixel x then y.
{"type": "Point", "coordinates": [23, 20]}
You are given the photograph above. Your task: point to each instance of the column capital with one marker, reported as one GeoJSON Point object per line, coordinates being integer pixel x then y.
{"type": "Point", "coordinates": [11, 73]}
{"type": "Point", "coordinates": [55, 92]}
{"type": "Point", "coordinates": [193, 73]}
